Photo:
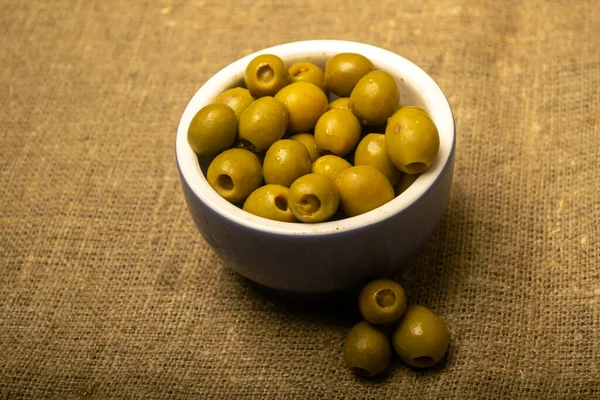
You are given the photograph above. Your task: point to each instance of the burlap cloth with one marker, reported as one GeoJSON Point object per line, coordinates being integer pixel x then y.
{"type": "Point", "coordinates": [108, 291]}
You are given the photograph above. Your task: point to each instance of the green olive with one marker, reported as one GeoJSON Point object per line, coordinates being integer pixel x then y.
{"type": "Point", "coordinates": [344, 70]}
{"type": "Point", "coordinates": [285, 161]}
{"type": "Point", "coordinates": [305, 103]}
{"type": "Point", "coordinates": [362, 189]}
{"type": "Point", "coordinates": [237, 98]}
{"type": "Point", "coordinates": [212, 130]}
{"type": "Point", "coordinates": [412, 140]}
{"type": "Point", "coordinates": [404, 182]}
{"type": "Point", "coordinates": [329, 165]}
{"type": "Point", "coordinates": [263, 123]}
{"type": "Point", "coordinates": [307, 72]}
{"type": "Point", "coordinates": [308, 140]}
{"type": "Point", "coordinates": [382, 301]}
{"type": "Point", "coordinates": [265, 75]}
{"type": "Point", "coordinates": [371, 151]}
{"type": "Point", "coordinates": [270, 201]}
{"type": "Point", "coordinates": [341, 102]}
{"type": "Point", "coordinates": [313, 198]}
{"type": "Point", "coordinates": [421, 338]}
{"type": "Point", "coordinates": [375, 98]}
{"type": "Point", "coordinates": [366, 350]}
{"type": "Point", "coordinates": [234, 174]}
{"type": "Point", "coordinates": [337, 132]}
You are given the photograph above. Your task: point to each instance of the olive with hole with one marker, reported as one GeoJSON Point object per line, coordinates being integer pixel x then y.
{"type": "Point", "coordinates": [329, 165]}
{"type": "Point", "coordinates": [412, 140]}
{"type": "Point", "coordinates": [344, 70]}
{"type": "Point", "coordinates": [265, 75]}
{"type": "Point", "coordinates": [363, 188]}
{"type": "Point", "coordinates": [371, 151]}
{"type": "Point", "coordinates": [341, 102]}
{"type": "Point", "coordinates": [337, 132]}
{"type": "Point", "coordinates": [234, 174]}
{"type": "Point", "coordinates": [271, 202]}
{"type": "Point", "coordinates": [366, 350]}
{"type": "Point", "coordinates": [308, 140]}
{"type": "Point", "coordinates": [263, 123]}
{"type": "Point", "coordinates": [313, 198]}
{"type": "Point", "coordinates": [212, 130]}
{"type": "Point", "coordinates": [421, 338]}
{"type": "Point", "coordinates": [375, 98]}
{"type": "Point", "coordinates": [304, 71]}
{"type": "Point", "coordinates": [237, 98]}
{"type": "Point", "coordinates": [382, 301]}
{"type": "Point", "coordinates": [305, 103]}
{"type": "Point", "coordinates": [285, 161]}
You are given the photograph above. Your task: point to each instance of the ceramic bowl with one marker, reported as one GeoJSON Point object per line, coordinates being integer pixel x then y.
{"type": "Point", "coordinates": [335, 255]}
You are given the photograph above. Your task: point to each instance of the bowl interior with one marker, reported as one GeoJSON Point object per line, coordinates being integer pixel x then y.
{"type": "Point", "coordinates": [416, 88]}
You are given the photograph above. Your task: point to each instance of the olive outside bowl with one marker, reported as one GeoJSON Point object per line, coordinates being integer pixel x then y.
{"type": "Point", "coordinates": [330, 256]}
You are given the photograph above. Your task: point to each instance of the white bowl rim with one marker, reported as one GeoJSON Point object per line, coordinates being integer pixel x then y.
{"type": "Point", "coordinates": [421, 82]}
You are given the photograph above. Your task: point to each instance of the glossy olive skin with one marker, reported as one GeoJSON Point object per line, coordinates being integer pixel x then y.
{"type": "Point", "coordinates": [412, 140]}
{"type": "Point", "coordinates": [366, 350]}
{"type": "Point", "coordinates": [271, 202]}
{"type": "Point", "coordinates": [362, 189]}
{"type": "Point", "coordinates": [344, 70]}
{"type": "Point", "coordinates": [265, 75]}
{"type": "Point", "coordinates": [375, 98]}
{"type": "Point", "coordinates": [263, 123]}
{"type": "Point", "coordinates": [404, 182]}
{"type": "Point", "coordinates": [212, 130]}
{"type": "Point", "coordinates": [237, 98]}
{"type": "Point", "coordinates": [341, 102]}
{"type": "Point", "coordinates": [337, 132]}
{"type": "Point", "coordinates": [304, 71]}
{"type": "Point", "coordinates": [234, 174]}
{"type": "Point", "coordinates": [329, 165]}
{"type": "Point", "coordinates": [421, 338]}
{"type": "Point", "coordinates": [372, 151]}
{"type": "Point", "coordinates": [313, 198]}
{"type": "Point", "coordinates": [285, 161]}
{"type": "Point", "coordinates": [308, 140]}
{"type": "Point", "coordinates": [382, 301]}
{"type": "Point", "coordinates": [305, 103]}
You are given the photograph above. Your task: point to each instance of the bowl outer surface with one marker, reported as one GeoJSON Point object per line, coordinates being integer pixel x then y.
{"type": "Point", "coordinates": [320, 258]}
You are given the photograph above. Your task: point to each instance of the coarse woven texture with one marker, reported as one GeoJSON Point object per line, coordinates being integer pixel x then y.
{"type": "Point", "coordinates": [108, 291]}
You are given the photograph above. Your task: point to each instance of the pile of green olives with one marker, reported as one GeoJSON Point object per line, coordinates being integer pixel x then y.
{"type": "Point", "coordinates": [299, 143]}
{"type": "Point", "coordinates": [418, 336]}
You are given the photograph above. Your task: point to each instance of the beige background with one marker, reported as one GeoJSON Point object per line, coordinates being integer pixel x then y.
{"type": "Point", "coordinates": [108, 291]}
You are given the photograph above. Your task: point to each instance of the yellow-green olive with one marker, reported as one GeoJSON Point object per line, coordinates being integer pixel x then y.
{"type": "Point", "coordinates": [212, 130]}
{"type": "Point", "coordinates": [285, 161]}
{"type": "Point", "coordinates": [313, 198]}
{"type": "Point", "coordinates": [371, 151]}
{"type": "Point", "coordinates": [270, 201]}
{"type": "Point", "coordinates": [375, 98]}
{"type": "Point", "coordinates": [265, 75]}
{"type": "Point", "coordinates": [308, 140]}
{"type": "Point", "coordinates": [329, 165]}
{"type": "Point", "coordinates": [362, 189]}
{"type": "Point", "coordinates": [366, 350]}
{"type": "Point", "coordinates": [421, 338]}
{"type": "Point", "coordinates": [412, 140]}
{"type": "Point", "coordinates": [237, 98]}
{"type": "Point", "coordinates": [234, 174]}
{"type": "Point", "coordinates": [344, 70]}
{"type": "Point", "coordinates": [305, 103]}
{"type": "Point", "coordinates": [382, 301]}
{"type": "Point", "coordinates": [263, 123]}
{"type": "Point", "coordinates": [304, 71]}
{"type": "Point", "coordinates": [337, 132]}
